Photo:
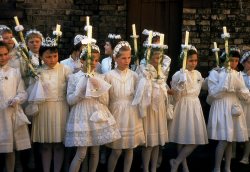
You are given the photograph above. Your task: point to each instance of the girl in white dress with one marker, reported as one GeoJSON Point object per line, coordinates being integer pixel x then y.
{"type": "Point", "coordinates": [13, 123]}
{"type": "Point", "coordinates": [226, 121]}
{"type": "Point", "coordinates": [121, 95]}
{"type": "Point", "coordinates": [90, 123]}
{"type": "Point", "coordinates": [188, 128]}
{"type": "Point", "coordinates": [49, 93]}
{"type": "Point", "coordinates": [108, 63]}
{"type": "Point", "coordinates": [151, 95]}
{"type": "Point", "coordinates": [245, 61]}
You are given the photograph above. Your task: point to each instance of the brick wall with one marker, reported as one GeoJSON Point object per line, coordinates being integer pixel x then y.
{"type": "Point", "coordinates": [205, 25]}
{"type": "Point", "coordinates": [106, 16]}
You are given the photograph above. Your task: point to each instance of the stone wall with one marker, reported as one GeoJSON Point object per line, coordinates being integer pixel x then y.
{"type": "Point", "coordinates": [106, 16]}
{"type": "Point", "coordinates": [205, 25]}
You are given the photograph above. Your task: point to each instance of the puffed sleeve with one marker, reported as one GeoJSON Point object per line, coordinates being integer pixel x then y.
{"type": "Point", "coordinates": [73, 96]}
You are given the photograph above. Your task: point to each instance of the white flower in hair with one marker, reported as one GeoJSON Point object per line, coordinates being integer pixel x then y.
{"type": "Point", "coordinates": [3, 27]}
{"type": "Point", "coordinates": [245, 56]}
{"type": "Point", "coordinates": [95, 47]}
{"type": "Point", "coordinates": [119, 46]}
{"type": "Point", "coordinates": [49, 42]}
{"type": "Point", "coordinates": [34, 31]}
{"type": "Point", "coordinates": [79, 38]}
{"type": "Point", "coordinates": [114, 36]}
{"type": "Point", "coordinates": [155, 46]}
{"type": "Point", "coordinates": [235, 49]}
{"type": "Point", "coordinates": [146, 32]}
{"type": "Point", "coordinates": [19, 28]}
{"type": "Point", "coordinates": [188, 47]}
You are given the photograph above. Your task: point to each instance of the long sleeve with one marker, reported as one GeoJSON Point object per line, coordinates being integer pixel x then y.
{"type": "Point", "coordinates": [72, 97]}
{"type": "Point", "coordinates": [243, 90]}
{"type": "Point", "coordinates": [21, 95]}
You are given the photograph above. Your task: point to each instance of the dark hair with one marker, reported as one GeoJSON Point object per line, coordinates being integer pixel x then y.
{"type": "Point", "coordinates": [84, 56]}
{"type": "Point", "coordinates": [191, 52]}
{"type": "Point", "coordinates": [45, 48]}
{"type": "Point", "coordinates": [234, 54]}
{"type": "Point", "coordinates": [155, 39]}
{"type": "Point", "coordinates": [2, 44]}
{"type": "Point", "coordinates": [113, 42]}
{"type": "Point", "coordinates": [6, 30]}
{"type": "Point", "coordinates": [76, 47]}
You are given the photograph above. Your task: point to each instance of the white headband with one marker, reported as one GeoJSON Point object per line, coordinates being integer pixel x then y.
{"type": "Point", "coordinates": [119, 46]}
{"type": "Point", "coordinates": [78, 39]}
{"type": "Point", "coordinates": [245, 56]}
{"type": "Point", "coordinates": [49, 42]}
{"type": "Point", "coordinates": [34, 32]}
{"type": "Point", "coordinates": [114, 36]}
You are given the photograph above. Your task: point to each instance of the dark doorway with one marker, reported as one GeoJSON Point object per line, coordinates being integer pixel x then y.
{"type": "Point", "coordinates": [164, 16]}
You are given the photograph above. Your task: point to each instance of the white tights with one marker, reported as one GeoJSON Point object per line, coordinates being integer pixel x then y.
{"type": "Point", "coordinates": [80, 156]}
{"type": "Point", "coordinates": [223, 146]}
{"type": "Point", "coordinates": [114, 156]}
{"type": "Point", "coordinates": [183, 152]}
{"type": "Point", "coordinates": [150, 153]}
{"type": "Point", "coordinates": [46, 150]}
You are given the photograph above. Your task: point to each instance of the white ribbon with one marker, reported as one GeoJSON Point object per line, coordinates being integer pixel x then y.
{"type": "Point", "coordinates": [19, 28]}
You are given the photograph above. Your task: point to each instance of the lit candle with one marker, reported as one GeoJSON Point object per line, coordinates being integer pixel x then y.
{"type": "Point", "coordinates": [224, 29]}
{"type": "Point", "coordinates": [58, 28]}
{"type": "Point", "coordinates": [15, 41]}
{"type": "Point", "coordinates": [135, 38]}
{"type": "Point", "coordinates": [87, 20]}
{"type": "Point", "coordinates": [150, 35]}
{"type": "Point", "coordinates": [216, 54]}
{"type": "Point", "coordinates": [16, 21]}
{"type": "Point", "coordinates": [161, 39]}
{"type": "Point", "coordinates": [186, 38]}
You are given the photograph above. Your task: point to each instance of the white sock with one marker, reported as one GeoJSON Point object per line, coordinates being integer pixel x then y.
{"type": "Point", "coordinates": [219, 154]}
{"type": "Point", "coordinates": [113, 158]}
{"type": "Point", "coordinates": [94, 158]}
{"type": "Point", "coordinates": [79, 157]}
{"type": "Point", "coordinates": [128, 160]}
{"type": "Point", "coordinates": [154, 158]}
{"type": "Point", "coordinates": [228, 157]}
{"type": "Point", "coordinates": [146, 154]}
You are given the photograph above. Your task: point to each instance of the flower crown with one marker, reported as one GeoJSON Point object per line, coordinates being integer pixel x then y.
{"type": "Point", "coordinates": [34, 31]}
{"type": "Point", "coordinates": [114, 36]}
{"type": "Point", "coordinates": [49, 42]}
{"type": "Point", "coordinates": [79, 38]}
{"type": "Point", "coordinates": [155, 46]}
{"type": "Point", "coordinates": [119, 46]}
{"type": "Point", "coordinates": [85, 51]}
{"type": "Point", "coordinates": [188, 47]}
{"type": "Point", "coordinates": [3, 27]}
{"type": "Point", "coordinates": [146, 32]}
{"type": "Point", "coordinates": [235, 49]}
{"type": "Point", "coordinates": [245, 56]}
{"type": "Point", "coordinates": [86, 40]}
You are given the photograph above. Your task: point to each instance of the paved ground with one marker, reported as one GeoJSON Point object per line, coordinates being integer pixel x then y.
{"type": "Point", "coordinates": [201, 160]}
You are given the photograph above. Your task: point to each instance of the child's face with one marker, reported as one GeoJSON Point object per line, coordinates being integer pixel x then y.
{"type": "Point", "coordinates": [4, 56]}
{"type": "Point", "coordinates": [7, 38]}
{"type": "Point", "coordinates": [234, 61]}
{"type": "Point", "coordinates": [50, 58]}
{"type": "Point", "coordinates": [192, 61]}
{"type": "Point", "coordinates": [95, 60]}
{"type": "Point", "coordinates": [34, 44]}
{"type": "Point", "coordinates": [123, 60]}
{"type": "Point", "coordinates": [246, 65]}
{"type": "Point", "coordinates": [108, 48]}
{"type": "Point", "coordinates": [155, 59]}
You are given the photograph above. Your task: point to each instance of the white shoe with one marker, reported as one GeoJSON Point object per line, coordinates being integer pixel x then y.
{"type": "Point", "coordinates": [244, 161]}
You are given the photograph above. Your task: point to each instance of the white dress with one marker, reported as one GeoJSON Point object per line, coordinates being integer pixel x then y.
{"type": "Point", "coordinates": [121, 95]}
{"type": "Point", "coordinates": [11, 86]}
{"type": "Point", "coordinates": [151, 95]}
{"type": "Point", "coordinates": [224, 87]}
{"type": "Point", "coordinates": [74, 65]}
{"type": "Point", "coordinates": [49, 125]}
{"type": "Point", "coordinates": [106, 65]}
{"type": "Point", "coordinates": [188, 124]}
{"type": "Point", "coordinates": [90, 122]}
{"type": "Point", "coordinates": [246, 103]}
